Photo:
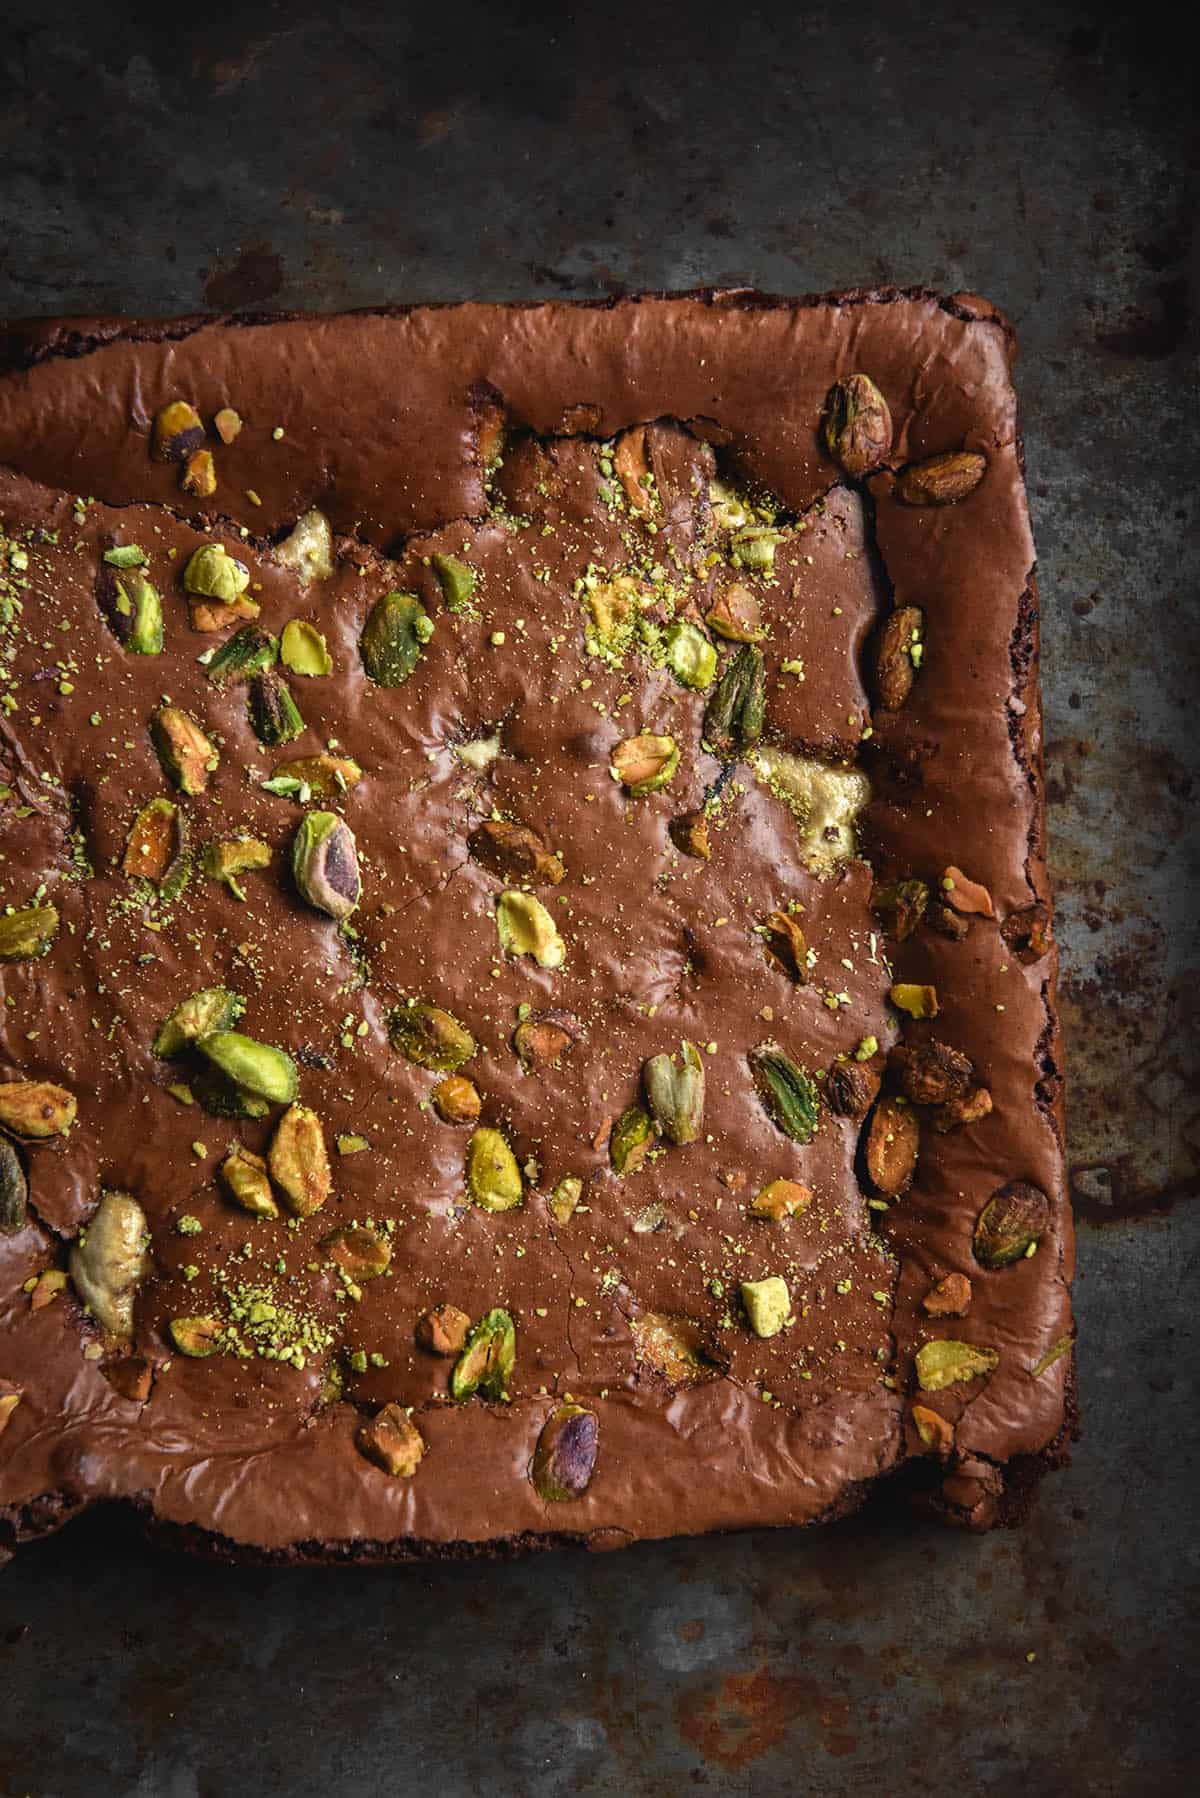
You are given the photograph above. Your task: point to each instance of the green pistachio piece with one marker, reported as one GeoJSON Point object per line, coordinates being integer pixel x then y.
{"type": "Point", "coordinates": [676, 1094]}
{"type": "Point", "coordinates": [258, 1067]}
{"type": "Point", "coordinates": [125, 555]}
{"type": "Point", "coordinates": [396, 631]}
{"type": "Point", "coordinates": [14, 1189]}
{"type": "Point", "coordinates": [223, 1098]}
{"type": "Point", "coordinates": [565, 1456]}
{"type": "Point", "coordinates": [457, 580]}
{"type": "Point", "coordinates": [565, 1198]}
{"type": "Point", "coordinates": [245, 1177]}
{"type": "Point", "coordinates": [187, 756]}
{"type": "Point", "coordinates": [858, 425]}
{"type": "Point", "coordinates": [132, 609]}
{"type": "Point", "coordinates": [1013, 1222]}
{"type": "Point", "coordinates": [178, 432]}
{"type": "Point", "coordinates": [631, 1140]}
{"type": "Point", "coordinates": [690, 656]}
{"type": "Point", "coordinates": [213, 1008]}
{"type": "Point", "coordinates": [493, 1176]}
{"type": "Point", "coordinates": [226, 859]}
{"type": "Point", "coordinates": [645, 764]}
{"type": "Point", "coordinates": [109, 1260]}
{"type": "Point", "coordinates": [1054, 1353]}
{"type": "Point", "coordinates": [299, 1161]}
{"type": "Point", "coordinates": [736, 615]}
{"type": "Point", "coordinates": [525, 927]}
{"type": "Point", "coordinates": [36, 1109]}
{"type": "Point", "coordinates": [196, 1337]}
{"type": "Point", "coordinates": [430, 1037]}
{"type": "Point", "coordinates": [303, 649]}
{"type": "Point", "coordinates": [325, 864]}
{"type": "Point", "coordinates": [27, 934]}
{"type": "Point", "coordinates": [754, 547]}
{"type": "Point", "coordinates": [273, 712]}
{"type": "Point", "coordinates": [212, 573]}
{"type": "Point", "coordinates": [487, 1360]}
{"type": "Point", "coordinates": [945, 1362]}
{"type": "Point", "coordinates": [314, 776]}
{"type": "Point", "coordinates": [308, 548]}
{"type": "Point", "coordinates": [768, 1304]}
{"type": "Point", "coordinates": [242, 656]}
{"type": "Point", "coordinates": [789, 1097]}
{"type": "Point", "coordinates": [733, 717]}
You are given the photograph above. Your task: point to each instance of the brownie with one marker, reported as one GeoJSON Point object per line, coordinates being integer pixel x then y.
{"type": "Point", "coordinates": [529, 996]}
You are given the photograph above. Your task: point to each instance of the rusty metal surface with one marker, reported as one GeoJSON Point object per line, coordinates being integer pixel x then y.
{"type": "Point", "coordinates": [315, 157]}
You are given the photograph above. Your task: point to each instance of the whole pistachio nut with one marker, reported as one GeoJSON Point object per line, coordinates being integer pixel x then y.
{"type": "Point", "coordinates": [896, 655]}
{"type": "Point", "coordinates": [784, 942]}
{"type": "Point", "coordinates": [397, 630]}
{"type": "Point", "coordinates": [187, 756]}
{"type": "Point", "coordinates": [132, 609]}
{"type": "Point", "coordinates": [525, 927]}
{"type": "Point", "coordinates": [308, 548]}
{"type": "Point", "coordinates": [274, 714]}
{"type": "Point", "coordinates": [14, 1189]}
{"type": "Point", "coordinates": [779, 1199]}
{"type": "Point", "coordinates": [456, 1100]}
{"type": "Point", "coordinates": [514, 852]}
{"type": "Point", "coordinates": [457, 581]}
{"type": "Point", "coordinates": [733, 717]}
{"type": "Point", "coordinates": [212, 1008]}
{"type": "Point", "coordinates": [690, 656]}
{"type": "Point", "coordinates": [242, 656]}
{"type": "Point", "coordinates": [900, 906]}
{"type": "Point", "coordinates": [544, 1037]}
{"type": "Point", "coordinates": [303, 649]}
{"type": "Point", "coordinates": [27, 934]}
{"type": "Point", "coordinates": [212, 573]}
{"type": "Point", "coordinates": [430, 1037]}
{"type": "Point", "coordinates": [360, 1252]}
{"type": "Point", "coordinates": [671, 1346]}
{"type": "Point", "coordinates": [226, 859]}
{"type": "Point", "coordinates": [178, 430]}
{"type": "Point", "coordinates": [487, 1360]}
{"type": "Point", "coordinates": [109, 1260]}
{"type": "Point", "coordinates": [1013, 1222]}
{"type": "Point", "coordinates": [890, 1148]}
{"type": "Point", "coordinates": [256, 1067]}
{"type": "Point", "coordinates": [645, 764]}
{"type": "Point", "coordinates": [299, 1162]}
{"type": "Point", "coordinates": [324, 777]}
{"type": "Point", "coordinates": [564, 1200]}
{"type": "Point", "coordinates": [442, 1330]}
{"type": "Point", "coordinates": [941, 480]}
{"type": "Point", "coordinates": [736, 614]}
{"type": "Point", "coordinates": [789, 1097]}
{"type": "Point", "coordinates": [392, 1441]}
{"type": "Point", "coordinates": [858, 425]}
{"type": "Point", "coordinates": [36, 1109]}
{"type": "Point", "coordinates": [565, 1457]}
{"type": "Point", "coordinates": [689, 833]}
{"type": "Point", "coordinates": [768, 1304]}
{"type": "Point", "coordinates": [676, 1094]}
{"type": "Point", "coordinates": [325, 864]}
{"type": "Point", "coordinates": [245, 1177]}
{"type": "Point", "coordinates": [196, 1337]}
{"type": "Point", "coordinates": [631, 1140]}
{"type": "Point", "coordinates": [493, 1176]}
{"type": "Point", "coordinates": [199, 476]}
{"type": "Point", "coordinates": [155, 841]}
{"type": "Point", "coordinates": [754, 547]}
{"type": "Point", "coordinates": [944, 1363]}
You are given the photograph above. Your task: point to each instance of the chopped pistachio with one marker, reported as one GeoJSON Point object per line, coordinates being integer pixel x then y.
{"type": "Point", "coordinates": [457, 581]}
{"type": "Point", "coordinates": [227, 859]}
{"type": "Point", "coordinates": [178, 431]}
{"type": "Point", "coordinates": [631, 1140]}
{"type": "Point", "coordinates": [392, 1440]}
{"type": "Point", "coordinates": [212, 573]}
{"type": "Point", "coordinates": [247, 653]}
{"type": "Point", "coordinates": [27, 934]}
{"type": "Point", "coordinates": [298, 1161]}
{"type": "Point", "coordinates": [213, 1008]}
{"type": "Point", "coordinates": [565, 1456]}
{"type": "Point", "coordinates": [308, 548]}
{"type": "Point", "coordinates": [36, 1109]}
{"type": "Point", "coordinates": [325, 864]}
{"type": "Point", "coordinates": [486, 1364]}
{"type": "Point", "coordinates": [303, 649]}
{"type": "Point", "coordinates": [733, 717]}
{"type": "Point", "coordinates": [525, 927]}
{"type": "Point", "coordinates": [768, 1304]}
{"type": "Point", "coordinates": [254, 1066]}
{"type": "Point", "coordinates": [789, 1096]}
{"type": "Point", "coordinates": [645, 764]}
{"type": "Point", "coordinates": [676, 1094]}
{"type": "Point", "coordinates": [565, 1198]}
{"type": "Point", "coordinates": [110, 1260]}
{"type": "Point", "coordinates": [946, 1362]}
{"type": "Point", "coordinates": [14, 1190]}
{"type": "Point", "coordinates": [430, 1037]}
{"type": "Point", "coordinates": [187, 756]}
{"type": "Point", "coordinates": [493, 1176]}
{"type": "Point", "coordinates": [396, 631]}
{"type": "Point", "coordinates": [196, 1337]}
{"type": "Point", "coordinates": [918, 1001]}
{"type": "Point", "coordinates": [245, 1176]}
{"type": "Point", "coordinates": [273, 712]}
{"type": "Point", "coordinates": [690, 656]}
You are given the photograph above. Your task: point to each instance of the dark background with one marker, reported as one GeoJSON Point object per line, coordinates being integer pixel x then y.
{"type": "Point", "coordinates": [167, 157]}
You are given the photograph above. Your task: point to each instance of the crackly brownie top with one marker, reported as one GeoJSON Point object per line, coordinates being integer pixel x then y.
{"type": "Point", "coordinates": [526, 970]}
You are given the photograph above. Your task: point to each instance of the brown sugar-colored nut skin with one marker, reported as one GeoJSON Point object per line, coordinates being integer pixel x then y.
{"type": "Point", "coordinates": [131, 1378]}
{"type": "Point", "coordinates": [442, 1330]}
{"type": "Point", "coordinates": [893, 666]}
{"type": "Point", "coordinates": [392, 1441]}
{"type": "Point", "coordinates": [857, 425]}
{"type": "Point", "coordinates": [900, 906]}
{"type": "Point", "coordinates": [360, 1252]}
{"type": "Point", "coordinates": [155, 841]}
{"type": "Point", "coordinates": [1027, 933]}
{"type": "Point", "coordinates": [199, 476]}
{"type": "Point", "coordinates": [780, 1199]}
{"type": "Point", "coordinates": [50, 1284]}
{"type": "Point", "coordinates": [1015, 1218]}
{"type": "Point", "coordinates": [950, 1297]}
{"type": "Point", "coordinates": [947, 923]}
{"type": "Point", "coordinates": [629, 460]}
{"type": "Point", "coordinates": [208, 615]}
{"type": "Point", "coordinates": [227, 424]}
{"type": "Point", "coordinates": [930, 1073]}
{"type": "Point", "coordinates": [941, 480]}
{"type": "Point", "coordinates": [965, 895]}
{"type": "Point", "coordinates": [689, 833]}
{"type": "Point", "coordinates": [971, 1108]}
{"type": "Point", "coordinates": [456, 1100]}
{"type": "Point", "coordinates": [178, 432]}
{"type": "Point", "coordinates": [785, 945]}
{"type": "Point", "coordinates": [298, 1160]}
{"type": "Point", "coordinates": [514, 852]}
{"type": "Point", "coordinates": [850, 1089]}
{"type": "Point", "coordinates": [542, 1040]}
{"type": "Point", "coordinates": [892, 1141]}
{"type": "Point", "coordinates": [936, 1433]}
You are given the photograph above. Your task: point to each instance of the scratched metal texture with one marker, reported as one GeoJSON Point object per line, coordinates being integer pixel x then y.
{"type": "Point", "coordinates": [158, 159]}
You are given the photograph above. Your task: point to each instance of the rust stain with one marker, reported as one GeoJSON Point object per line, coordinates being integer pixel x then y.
{"type": "Point", "coordinates": [750, 1713]}
{"type": "Point", "coordinates": [254, 278]}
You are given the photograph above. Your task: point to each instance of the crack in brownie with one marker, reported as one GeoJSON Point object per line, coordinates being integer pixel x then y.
{"type": "Point", "coordinates": [529, 997]}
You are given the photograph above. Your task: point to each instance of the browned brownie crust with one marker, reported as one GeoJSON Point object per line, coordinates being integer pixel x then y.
{"type": "Point", "coordinates": [654, 455]}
